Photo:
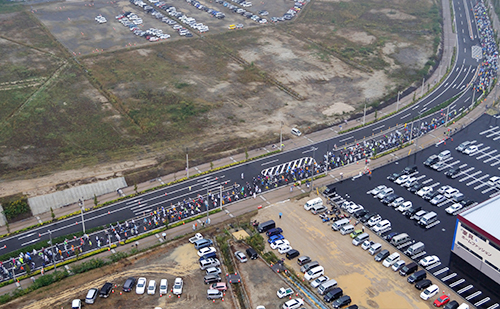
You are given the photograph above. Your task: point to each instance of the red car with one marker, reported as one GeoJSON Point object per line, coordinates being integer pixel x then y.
{"type": "Point", "coordinates": [441, 301]}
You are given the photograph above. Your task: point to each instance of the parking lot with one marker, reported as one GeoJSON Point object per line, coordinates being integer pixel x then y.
{"type": "Point", "coordinates": [79, 25]}
{"type": "Point", "coordinates": [476, 167]}
{"type": "Point", "coordinates": [368, 283]}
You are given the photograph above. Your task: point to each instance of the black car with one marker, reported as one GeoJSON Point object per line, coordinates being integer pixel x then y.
{"type": "Point", "coordinates": [330, 189]}
{"type": "Point", "coordinates": [452, 172]}
{"type": "Point", "coordinates": [423, 284]}
{"type": "Point", "coordinates": [467, 202]}
{"type": "Point", "coordinates": [390, 236]}
{"type": "Point", "coordinates": [390, 198]}
{"type": "Point", "coordinates": [342, 301]}
{"type": "Point", "coordinates": [415, 188]}
{"type": "Point", "coordinates": [367, 217]}
{"type": "Point", "coordinates": [129, 284]}
{"type": "Point", "coordinates": [382, 255]}
{"type": "Point", "coordinates": [333, 295]}
{"type": "Point", "coordinates": [410, 169]}
{"type": "Point", "coordinates": [431, 160]}
{"type": "Point", "coordinates": [451, 305]}
{"type": "Point", "coordinates": [413, 210]}
{"type": "Point", "coordinates": [394, 176]}
{"type": "Point", "coordinates": [360, 213]}
{"type": "Point", "coordinates": [106, 290]}
{"type": "Point", "coordinates": [352, 307]}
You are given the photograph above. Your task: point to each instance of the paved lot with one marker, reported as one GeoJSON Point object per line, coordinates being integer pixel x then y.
{"type": "Point", "coordinates": [369, 284]}
{"type": "Point", "coordinates": [476, 169]}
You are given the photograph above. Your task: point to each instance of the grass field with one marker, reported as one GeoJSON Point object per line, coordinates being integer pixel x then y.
{"type": "Point", "coordinates": [214, 94]}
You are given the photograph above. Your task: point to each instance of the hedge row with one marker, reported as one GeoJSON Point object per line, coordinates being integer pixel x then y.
{"type": "Point", "coordinates": [139, 193]}
{"type": "Point", "coordinates": [390, 151]}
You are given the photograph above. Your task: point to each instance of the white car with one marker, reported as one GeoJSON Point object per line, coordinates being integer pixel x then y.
{"type": "Point", "coordinates": [278, 243]}
{"type": "Point", "coordinates": [206, 250]}
{"type": "Point", "coordinates": [453, 208]}
{"type": "Point", "coordinates": [410, 182]}
{"type": "Point", "coordinates": [319, 281]}
{"type": "Point", "coordinates": [384, 193]}
{"type": "Point", "coordinates": [443, 189]}
{"type": "Point", "coordinates": [451, 192]}
{"type": "Point", "coordinates": [398, 265]}
{"type": "Point", "coordinates": [429, 292]}
{"type": "Point", "coordinates": [493, 181]}
{"type": "Point", "coordinates": [177, 288]}
{"type": "Point", "coordinates": [284, 249]}
{"type": "Point", "coordinates": [296, 132]}
{"type": "Point", "coordinates": [367, 244]}
{"type": "Point", "coordinates": [293, 304]}
{"type": "Point", "coordinates": [163, 286]}
{"type": "Point", "coordinates": [405, 206]}
{"type": "Point", "coordinates": [152, 287]}
{"type": "Point", "coordinates": [196, 237]}
{"type": "Point", "coordinates": [374, 220]}
{"type": "Point", "coordinates": [141, 286]}
{"type": "Point", "coordinates": [213, 271]}
{"type": "Point", "coordinates": [470, 150]}
{"type": "Point", "coordinates": [437, 199]}
{"type": "Point", "coordinates": [424, 191]}
{"type": "Point", "coordinates": [397, 202]}
{"type": "Point", "coordinates": [377, 190]}
{"type": "Point", "coordinates": [428, 260]}
{"type": "Point", "coordinates": [382, 226]}
{"type": "Point", "coordinates": [402, 179]}
{"type": "Point", "coordinates": [353, 208]}
{"type": "Point", "coordinates": [391, 259]}
{"type": "Point", "coordinates": [283, 292]}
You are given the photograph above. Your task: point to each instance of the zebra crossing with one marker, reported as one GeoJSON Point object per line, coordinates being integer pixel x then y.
{"type": "Point", "coordinates": [281, 168]}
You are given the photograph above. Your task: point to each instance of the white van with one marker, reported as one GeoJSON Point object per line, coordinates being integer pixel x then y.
{"type": "Point", "coordinates": [210, 262]}
{"type": "Point", "coordinates": [382, 226]}
{"type": "Point", "coordinates": [314, 202]}
{"type": "Point", "coordinates": [337, 225]}
{"type": "Point", "coordinates": [314, 273]}
{"type": "Point", "coordinates": [415, 249]}
{"type": "Point", "coordinates": [347, 229]}
{"type": "Point", "coordinates": [444, 155]}
{"type": "Point", "coordinates": [326, 286]}
{"type": "Point", "coordinates": [428, 218]}
{"type": "Point", "coordinates": [318, 209]}
{"type": "Point", "coordinates": [375, 248]}
{"type": "Point", "coordinates": [400, 239]}
{"type": "Point", "coordinates": [360, 239]}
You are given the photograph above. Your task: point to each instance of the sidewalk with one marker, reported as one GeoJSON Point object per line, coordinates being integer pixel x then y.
{"type": "Point", "coordinates": [449, 42]}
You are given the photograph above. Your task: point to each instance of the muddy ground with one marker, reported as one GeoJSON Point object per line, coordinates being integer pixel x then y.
{"type": "Point", "coordinates": [369, 283]}
{"type": "Point", "coordinates": [176, 259]}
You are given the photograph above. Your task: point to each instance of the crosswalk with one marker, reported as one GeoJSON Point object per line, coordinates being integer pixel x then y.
{"type": "Point", "coordinates": [281, 168]}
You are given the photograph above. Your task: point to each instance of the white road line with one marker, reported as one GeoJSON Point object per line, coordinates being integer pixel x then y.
{"type": "Point", "coordinates": [489, 130]}
{"type": "Point", "coordinates": [470, 176]}
{"type": "Point", "coordinates": [427, 181]}
{"type": "Point", "coordinates": [134, 201]}
{"type": "Point", "coordinates": [25, 236]}
{"type": "Point", "coordinates": [405, 116]}
{"type": "Point", "coordinates": [346, 139]}
{"type": "Point", "coordinates": [463, 165]}
{"type": "Point", "coordinates": [414, 108]}
{"type": "Point", "coordinates": [434, 185]}
{"type": "Point", "coordinates": [380, 127]}
{"type": "Point", "coordinates": [487, 190]}
{"type": "Point", "coordinates": [491, 159]}
{"type": "Point", "coordinates": [270, 162]}
{"type": "Point", "coordinates": [480, 186]}
{"type": "Point", "coordinates": [233, 159]}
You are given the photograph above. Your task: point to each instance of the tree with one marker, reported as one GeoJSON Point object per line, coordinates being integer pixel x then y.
{"type": "Point", "coordinates": [96, 202]}
{"type": "Point", "coordinates": [211, 165]}
{"type": "Point", "coordinates": [246, 154]}
{"type": "Point", "coordinates": [77, 252]}
{"type": "Point", "coordinates": [52, 214]}
{"type": "Point", "coordinates": [135, 187]}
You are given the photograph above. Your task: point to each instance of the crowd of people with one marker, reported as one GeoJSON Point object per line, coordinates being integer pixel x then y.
{"type": "Point", "coordinates": [488, 68]}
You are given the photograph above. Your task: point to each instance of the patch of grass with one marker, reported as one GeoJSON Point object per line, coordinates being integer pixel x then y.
{"type": "Point", "coordinates": [10, 100]}
{"type": "Point", "coordinates": [9, 7]}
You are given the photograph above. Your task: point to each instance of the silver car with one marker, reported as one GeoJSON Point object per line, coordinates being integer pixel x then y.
{"type": "Point", "coordinates": [240, 256]}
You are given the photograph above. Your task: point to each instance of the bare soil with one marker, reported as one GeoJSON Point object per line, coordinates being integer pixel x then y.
{"type": "Point", "coordinates": [176, 259]}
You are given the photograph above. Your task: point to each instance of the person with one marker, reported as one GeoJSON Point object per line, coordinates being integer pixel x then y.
{"type": "Point", "coordinates": [280, 214]}
{"type": "Point", "coordinates": [341, 175]}
{"type": "Point", "coordinates": [242, 175]}
{"type": "Point", "coordinates": [363, 228]}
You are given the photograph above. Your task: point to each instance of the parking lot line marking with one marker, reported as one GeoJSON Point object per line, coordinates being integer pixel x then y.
{"type": "Point", "coordinates": [480, 186]}
{"type": "Point", "coordinates": [487, 154]}
{"type": "Point", "coordinates": [427, 181]}
{"type": "Point", "coordinates": [491, 159]}
{"type": "Point", "coordinates": [443, 203]}
{"type": "Point", "coordinates": [420, 177]}
{"type": "Point", "coordinates": [470, 176]}
{"type": "Point", "coordinates": [489, 130]}
{"type": "Point", "coordinates": [496, 138]}
{"type": "Point", "coordinates": [434, 185]}
{"type": "Point", "coordinates": [496, 163]}
{"type": "Point", "coordinates": [482, 301]}
{"type": "Point", "coordinates": [463, 165]}
{"type": "Point", "coordinates": [433, 266]}
{"type": "Point", "coordinates": [488, 190]}
{"type": "Point", "coordinates": [473, 295]}
{"type": "Point", "coordinates": [449, 277]}
{"type": "Point", "coordinates": [476, 180]}
{"type": "Point", "coordinates": [439, 272]}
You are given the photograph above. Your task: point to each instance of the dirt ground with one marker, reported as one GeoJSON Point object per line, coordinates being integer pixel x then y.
{"type": "Point", "coordinates": [261, 283]}
{"type": "Point", "coordinates": [369, 284]}
{"type": "Point", "coordinates": [177, 259]}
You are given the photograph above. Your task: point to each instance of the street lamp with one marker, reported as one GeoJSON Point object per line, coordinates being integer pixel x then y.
{"type": "Point", "coordinates": [52, 246]}
{"type": "Point", "coordinates": [314, 166]}
{"type": "Point", "coordinates": [281, 135]}
{"type": "Point", "coordinates": [81, 202]}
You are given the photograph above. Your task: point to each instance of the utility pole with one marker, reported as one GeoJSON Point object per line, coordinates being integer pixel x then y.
{"type": "Point", "coordinates": [206, 202]}
{"type": "Point", "coordinates": [53, 254]}
{"type": "Point", "coordinates": [220, 197]}
{"type": "Point", "coordinates": [397, 105]}
{"type": "Point", "coordinates": [364, 115]}
{"type": "Point", "coordinates": [81, 202]}
{"type": "Point", "coordinates": [423, 84]}
{"type": "Point", "coordinates": [187, 162]}
{"type": "Point", "coordinates": [314, 167]}
{"type": "Point", "coordinates": [281, 135]}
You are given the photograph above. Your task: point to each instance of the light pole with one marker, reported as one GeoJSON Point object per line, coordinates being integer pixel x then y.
{"type": "Point", "coordinates": [397, 105]}
{"type": "Point", "coordinates": [52, 246]}
{"type": "Point", "coordinates": [187, 163]}
{"type": "Point", "coordinates": [281, 135]}
{"type": "Point", "coordinates": [206, 202]}
{"type": "Point", "coordinates": [364, 114]}
{"type": "Point", "coordinates": [314, 167]}
{"type": "Point", "coordinates": [81, 202]}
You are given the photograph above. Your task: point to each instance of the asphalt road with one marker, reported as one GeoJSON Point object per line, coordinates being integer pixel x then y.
{"type": "Point", "coordinates": [462, 73]}
{"type": "Point", "coordinates": [476, 170]}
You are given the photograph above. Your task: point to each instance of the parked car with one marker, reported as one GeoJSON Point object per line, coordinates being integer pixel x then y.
{"type": "Point", "coordinates": [205, 251]}
{"type": "Point", "coordinates": [129, 284]}
{"type": "Point", "coordinates": [106, 290]}
{"type": "Point", "coordinates": [177, 288]}
{"type": "Point", "coordinates": [398, 265]}
{"type": "Point", "coordinates": [240, 256]}
{"type": "Point", "coordinates": [284, 292]}
{"type": "Point", "coordinates": [441, 301]}
{"type": "Point", "coordinates": [293, 303]}
{"type": "Point", "coordinates": [428, 260]}
{"type": "Point", "coordinates": [382, 255]}
{"type": "Point", "coordinates": [367, 244]}
{"type": "Point", "coordinates": [454, 208]}
{"type": "Point", "coordinates": [429, 292]}
{"type": "Point", "coordinates": [211, 278]}
{"type": "Point", "coordinates": [319, 281]}
{"type": "Point", "coordinates": [278, 243]}
{"type": "Point", "coordinates": [163, 286]}
{"type": "Point", "coordinates": [342, 301]}
{"type": "Point", "coordinates": [423, 284]}
{"type": "Point", "coordinates": [152, 287]}
{"type": "Point", "coordinates": [303, 260]}
{"type": "Point", "coordinates": [221, 286]}
{"type": "Point", "coordinates": [141, 286]}
{"type": "Point", "coordinates": [91, 296]}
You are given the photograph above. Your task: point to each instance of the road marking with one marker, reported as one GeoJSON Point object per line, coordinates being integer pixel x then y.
{"type": "Point", "coordinates": [233, 159]}
{"type": "Point", "coordinates": [489, 130]}
{"type": "Point", "coordinates": [134, 201]}
{"type": "Point", "coordinates": [434, 185]}
{"type": "Point", "coordinates": [405, 116]}
{"type": "Point", "coordinates": [482, 301]}
{"type": "Point", "coordinates": [449, 277]}
{"type": "Point", "coordinates": [457, 282]}
{"type": "Point", "coordinates": [25, 236]}
{"type": "Point", "coordinates": [427, 181]}
{"type": "Point", "coordinates": [487, 190]}
{"type": "Point", "coordinates": [439, 272]}
{"type": "Point", "coordinates": [269, 162]}
{"type": "Point", "coordinates": [473, 295]}
{"type": "Point", "coordinates": [414, 108]}
{"type": "Point", "coordinates": [346, 139]}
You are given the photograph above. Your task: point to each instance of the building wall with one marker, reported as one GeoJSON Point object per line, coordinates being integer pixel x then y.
{"type": "Point", "coordinates": [477, 250]}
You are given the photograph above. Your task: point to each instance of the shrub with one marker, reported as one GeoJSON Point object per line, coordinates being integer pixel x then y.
{"type": "Point", "coordinates": [16, 208]}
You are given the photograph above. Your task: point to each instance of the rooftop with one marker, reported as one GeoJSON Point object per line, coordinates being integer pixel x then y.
{"type": "Point", "coordinates": [484, 217]}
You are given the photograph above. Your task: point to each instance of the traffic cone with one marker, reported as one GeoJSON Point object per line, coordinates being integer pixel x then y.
{"type": "Point", "coordinates": [213, 300]}
{"type": "Point", "coordinates": [112, 291]}
{"type": "Point", "coordinates": [120, 293]}
{"type": "Point", "coordinates": [178, 296]}
{"type": "Point", "coordinates": [161, 295]}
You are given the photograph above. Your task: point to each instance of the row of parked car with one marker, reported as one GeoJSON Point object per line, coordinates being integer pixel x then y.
{"type": "Point", "coordinates": [291, 13]}
{"type": "Point", "coordinates": [133, 22]}
{"type": "Point", "coordinates": [243, 12]}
